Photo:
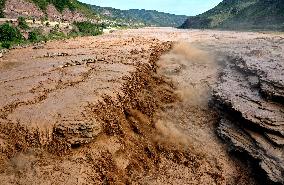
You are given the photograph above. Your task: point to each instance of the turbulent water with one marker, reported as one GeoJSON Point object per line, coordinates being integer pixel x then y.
{"type": "Point", "coordinates": [131, 107]}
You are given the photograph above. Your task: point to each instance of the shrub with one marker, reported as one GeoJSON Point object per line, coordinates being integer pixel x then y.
{"type": "Point", "coordinates": [59, 4]}
{"type": "Point", "coordinates": [37, 35]}
{"type": "Point", "coordinates": [56, 35]}
{"type": "Point", "coordinates": [2, 5]}
{"type": "Point", "coordinates": [73, 33]}
{"type": "Point", "coordinates": [9, 33]}
{"type": "Point", "coordinates": [42, 4]}
{"type": "Point", "coordinates": [33, 36]}
{"type": "Point", "coordinates": [104, 25]}
{"type": "Point", "coordinates": [22, 23]}
{"type": "Point", "coordinates": [88, 28]}
{"type": "Point", "coordinates": [6, 44]}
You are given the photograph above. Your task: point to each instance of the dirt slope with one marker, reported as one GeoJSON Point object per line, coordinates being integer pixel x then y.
{"type": "Point", "coordinates": [25, 8]}
{"type": "Point", "coordinates": [130, 107]}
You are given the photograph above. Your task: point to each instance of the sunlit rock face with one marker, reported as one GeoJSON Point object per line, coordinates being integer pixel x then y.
{"type": "Point", "coordinates": [249, 96]}
{"type": "Point", "coordinates": [16, 8]}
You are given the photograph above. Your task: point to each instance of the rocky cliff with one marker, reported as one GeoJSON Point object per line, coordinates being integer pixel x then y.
{"type": "Point", "coordinates": [249, 97]}
{"type": "Point", "coordinates": [15, 8]}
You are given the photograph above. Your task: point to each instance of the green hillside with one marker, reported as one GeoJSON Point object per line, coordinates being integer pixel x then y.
{"type": "Point", "coordinates": [148, 17]}
{"type": "Point", "coordinates": [241, 14]}
{"type": "Point", "coordinates": [59, 4]}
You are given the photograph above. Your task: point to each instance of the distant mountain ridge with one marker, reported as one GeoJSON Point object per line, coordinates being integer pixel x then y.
{"type": "Point", "coordinates": [148, 17]}
{"type": "Point", "coordinates": [241, 14]}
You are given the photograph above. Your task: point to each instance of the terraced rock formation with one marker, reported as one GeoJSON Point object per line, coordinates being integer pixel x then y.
{"type": "Point", "coordinates": [249, 95]}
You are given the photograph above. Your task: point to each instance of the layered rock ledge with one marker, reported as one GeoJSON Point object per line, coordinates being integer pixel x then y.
{"type": "Point", "coordinates": [249, 96]}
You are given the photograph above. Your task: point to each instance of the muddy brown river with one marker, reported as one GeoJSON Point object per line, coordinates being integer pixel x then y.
{"type": "Point", "coordinates": [130, 107]}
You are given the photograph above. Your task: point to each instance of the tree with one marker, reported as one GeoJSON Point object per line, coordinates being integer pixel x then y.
{"type": "Point", "coordinates": [22, 23]}
{"type": "Point", "coordinates": [33, 36]}
{"type": "Point", "coordinates": [88, 28]}
{"type": "Point", "coordinates": [10, 33]}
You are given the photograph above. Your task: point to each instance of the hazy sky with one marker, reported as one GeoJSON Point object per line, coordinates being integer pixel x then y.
{"type": "Point", "coordinates": [185, 7]}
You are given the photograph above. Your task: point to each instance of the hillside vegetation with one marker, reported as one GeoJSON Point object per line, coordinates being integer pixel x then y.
{"type": "Point", "coordinates": [59, 4]}
{"type": "Point", "coordinates": [2, 5]}
{"type": "Point", "coordinates": [22, 34]}
{"type": "Point", "coordinates": [72, 5]}
{"type": "Point", "coordinates": [148, 17]}
{"type": "Point", "coordinates": [241, 14]}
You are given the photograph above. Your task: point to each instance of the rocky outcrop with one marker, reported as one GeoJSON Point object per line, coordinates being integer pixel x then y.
{"type": "Point", "coordinates": [249, 96]}
{"type": "Point", "coordinates": [15, 8]}
{"type": "Point", "coordinates": [66, 15]}
{"type": "Point", "coordinates": [77, 133]}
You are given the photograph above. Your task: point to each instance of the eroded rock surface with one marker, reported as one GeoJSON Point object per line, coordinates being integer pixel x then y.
{"type": "Point", "coordinates": [249, 95]}
{"type": "Point", "coordinates": [16, 8]}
